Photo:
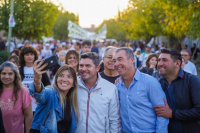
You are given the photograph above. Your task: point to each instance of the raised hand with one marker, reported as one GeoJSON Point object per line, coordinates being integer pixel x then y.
{"type": "Point", "coordinates": [38, 71]}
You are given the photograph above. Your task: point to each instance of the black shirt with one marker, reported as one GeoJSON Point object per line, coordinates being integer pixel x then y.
{"type": "Point", "coordinates": [110, 79]}
{"type": "Point", "coordinates": [64, 124]}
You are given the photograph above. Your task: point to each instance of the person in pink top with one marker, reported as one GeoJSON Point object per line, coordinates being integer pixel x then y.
{"type": "Point", "coordinates": [15, 101]}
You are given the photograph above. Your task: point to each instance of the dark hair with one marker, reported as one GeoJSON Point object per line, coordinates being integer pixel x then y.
{"type": "Point", "coordinates": [91, 55]}
{"type": "Point", "coordinates": [128, 51]}
{"type": "Point", "coordinates": [16, 58]}
{"type": "Point", "coordinates": [174, 54]}
{"type": "Point", "coordinates": [76, 54]}
{"type": "Point", "coordinates": [78, 44]}
{"type": "Point", "coordinates": [17, 80]}
{"type": "Point", "coordinates": [25, 50]}
{"type": "Point", "coordinates": [87, 42]}
{"type": "Point", "coordinates": [16, 51]}
{"type": "Point", "coordinates": [149, 58]}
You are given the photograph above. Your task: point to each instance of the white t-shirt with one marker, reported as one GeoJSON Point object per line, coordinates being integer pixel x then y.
{"type": "Point", "coordinates": [28, 79]}
{"type": "Point", "coordinates": [190, 68]}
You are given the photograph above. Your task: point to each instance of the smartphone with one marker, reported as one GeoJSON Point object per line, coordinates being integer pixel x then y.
{"type": "Point", "coordinates": [51, 61]}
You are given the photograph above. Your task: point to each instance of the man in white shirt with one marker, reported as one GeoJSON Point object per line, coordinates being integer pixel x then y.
{"type": "Point", "coordinates": [189, 66]}
{"type": "Point", "coordinates": [97, 99]}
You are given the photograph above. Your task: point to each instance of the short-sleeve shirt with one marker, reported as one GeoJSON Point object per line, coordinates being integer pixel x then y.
{"type": "Point", "coordinates": [13, 116]}
{"type": "Point", "coordinates": [28, 76]}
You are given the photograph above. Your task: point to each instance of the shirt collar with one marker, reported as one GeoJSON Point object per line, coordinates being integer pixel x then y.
{"type": "Point", "coordinates": [136, 76]}
{"type": "Point", "coordinates": [94, 84]}
{"type": "Point", "coordinates": [180, 74]}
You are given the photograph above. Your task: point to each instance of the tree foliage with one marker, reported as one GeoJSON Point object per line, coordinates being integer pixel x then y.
{"type": "Point", "coordinates": [114, 29]}
{"type": "Point", "coordinates": [60, 30]}
{"type": "Point", "coordinates": [34, 18]}
{"type": "Point", "coordinates": [144, 19]}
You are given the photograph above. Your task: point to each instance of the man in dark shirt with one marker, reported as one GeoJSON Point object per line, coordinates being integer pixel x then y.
{"type": "Point", "coordinates": [182, 93]}
{"type": "Point", "coordinates": [109, 72]}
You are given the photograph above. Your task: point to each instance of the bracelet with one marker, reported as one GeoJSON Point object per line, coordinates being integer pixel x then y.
{"type": "Point", "coordinates": [37, 84]}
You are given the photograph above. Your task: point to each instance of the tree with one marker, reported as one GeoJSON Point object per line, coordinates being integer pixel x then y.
{"type": "Point", "coordinates": [172, 18]}
{"type": "Point", "coordinates": [144, 19]}
{"type": "Point", "coordinates": [60, 27]}
{"type": "Point", "coordinates": [114, 29]}
{"type": "Point", "coordinates": [34, 18]}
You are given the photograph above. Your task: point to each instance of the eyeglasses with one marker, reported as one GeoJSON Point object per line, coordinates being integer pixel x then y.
{"type": "Point", "coordinates": [109, 57]}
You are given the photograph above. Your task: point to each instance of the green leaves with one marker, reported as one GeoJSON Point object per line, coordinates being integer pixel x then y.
{"type": "Point", "coordinates": [34, 19]}
{"type": "Point", "coordinates": [60, 27]}
{"type": "Point", "coordinates": [144, 19]}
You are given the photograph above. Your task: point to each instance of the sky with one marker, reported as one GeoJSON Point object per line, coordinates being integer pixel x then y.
{"type": "Point", "coordinates": [93, 11]}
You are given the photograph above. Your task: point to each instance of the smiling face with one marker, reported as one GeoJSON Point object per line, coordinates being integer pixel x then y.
{"type": "Point", "coordinates": [166, 65]}
{"type": "Point", "coordinates": [7, 77]}
{"type": "Point", "coordinates": [72, 61]}
{"type": "Point", "coordinates": [87, 69]}
{"type": "Point", "coordinates": [65, 81]}
{"type": "Point", "coordinates": [122, 64]}
{"type": "Point", "coordinates": [107, 60]}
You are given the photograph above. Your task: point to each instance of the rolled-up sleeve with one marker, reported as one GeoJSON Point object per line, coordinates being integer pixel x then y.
{"type": "Point", "coordinates": [156, 96]}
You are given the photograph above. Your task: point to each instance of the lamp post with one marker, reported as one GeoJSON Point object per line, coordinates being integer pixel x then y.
{"type": "Point", "coordinates": [10, 27]}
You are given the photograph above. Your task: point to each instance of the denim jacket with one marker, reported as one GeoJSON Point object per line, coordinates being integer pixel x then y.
{"type": "Point", "coordinates": [49, 110]}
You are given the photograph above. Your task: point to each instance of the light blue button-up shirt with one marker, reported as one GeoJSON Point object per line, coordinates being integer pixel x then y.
{"type": "Point", "coordinates": [136, 105]}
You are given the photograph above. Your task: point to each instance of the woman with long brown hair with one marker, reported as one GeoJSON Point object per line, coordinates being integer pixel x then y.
{"type": "Point", "coordinates": [58, 106]}
{"type": "Point", "coordinates": [151, 64]}
{"type": "Point", "coordinates": [15, 101]}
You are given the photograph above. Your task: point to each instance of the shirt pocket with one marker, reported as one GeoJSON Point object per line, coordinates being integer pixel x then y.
{"type": "Point", "coordinates": [140, 96]}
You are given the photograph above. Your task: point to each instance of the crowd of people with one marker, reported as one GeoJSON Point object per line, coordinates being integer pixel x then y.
{"type": "Point", "coordinates": [99, 87]}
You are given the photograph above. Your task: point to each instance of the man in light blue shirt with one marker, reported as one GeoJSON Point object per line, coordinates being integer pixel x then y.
{"type": "Point", "coordinates": [138, 93]}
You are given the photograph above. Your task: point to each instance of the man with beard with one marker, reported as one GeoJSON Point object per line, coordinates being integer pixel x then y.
{"type": "Point", "coordinates": [182, 93]}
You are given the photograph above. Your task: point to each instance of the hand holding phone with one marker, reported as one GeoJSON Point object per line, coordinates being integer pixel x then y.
{"type": "Point", "coordinates": [51, 62]}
